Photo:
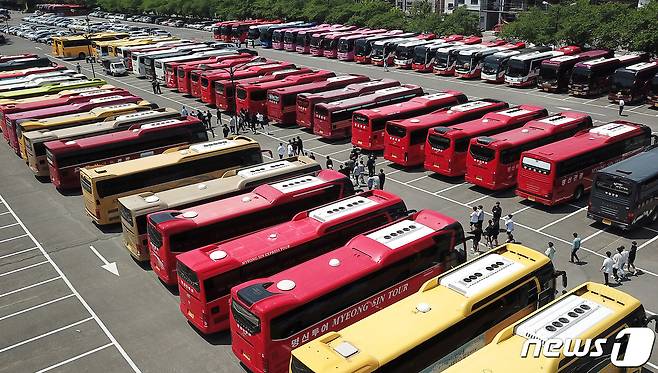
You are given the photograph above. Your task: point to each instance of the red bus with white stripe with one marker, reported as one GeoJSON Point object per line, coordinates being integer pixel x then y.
{"type": "Point", "coordinates": [173, 232]}
{"type": "Point", "coordinates": [492, 161]}
{"type": "Point", "coordinates": [206, 275]}
{"type": "Point", "coordinates": [273, 315]}
{"type": "Point", "coordinates": [217, 68]}
{"type": "Point", "coordinates": [563, 171]}
{"type": "Point", "coordinates": [175, 72]}
{"type": "Point", "coordinates": [30, 71]}
{"type": "Point", "coordinates": [446, 147]}
{"type": "Point", "coordinates": [368, 124]}
{"type": "Point", "coordinates": [404, 141]}
{"type": "Point", "coordinates": [183, 71]}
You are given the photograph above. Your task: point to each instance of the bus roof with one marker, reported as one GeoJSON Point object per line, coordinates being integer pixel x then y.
{"type": "Point", "coordinates": [414, 43]}
{"type": "Point", "coordinates": [444, 114]}
{"type": "Point", "coordinates": [476, 126]}
{"type": "Point", "coordinates": [447, 299]}
{"type": "Point", "coordinates": [363, 254]}
{"type": "Point", "coordinates": [98, 111]}
{"type": "Point", "coordinates": [414, 102]}
{"type": "Point", "coordinates": [642, 66]}
{"type": "Point", "coordinates": [56, 112]}
{"type": "Point", "coordinates": [637, 168]}
{"type": "Point", "coordinates": [349, 102]}
{"type": "Point", "coordinates": [368, 86]}
{"type": "Point", "coordinates": [536, 55]}
{"type": "Point", "coordinates": [300, 88]}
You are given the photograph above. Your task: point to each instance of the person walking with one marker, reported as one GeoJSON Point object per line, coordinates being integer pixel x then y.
{"type": "Point", "coordinates": [291, 149]}
{"type": "Point", "coordinates": [371, 182]}
{"type": "Point", "coordinates": [621, 106]}
{"type": "Point", "coordinates": [259, 119]}
{"type": "Point", "coordinates": [370, 163]}
{"type": "Point", "coordinates": [382, 178]}
{"type": "Point", "coordinates": [497, 213]}
{"type": "Point", "coordinates": [233, 123]}
{"type": "Point", "coordinates": [550, 251]}
{"type": "Point", "coordinates": [209, 117]}
{"type": "Point", "coordinates": [225, 130]}
{"type": "Point", "coordinates": [78, 68]}
{"type": "Point", "coordinates": [362, 173]}
{"type": "Point", "coordinates": [183, 111]}
{"type": "Point", "coordinates": [509, 228]}
{"type": "Point", "coordinates": [208, 123]}
{"type": "Point", "coordinates": [575, 245]}
{"type": "Point", "coordinates": [155, 91]}
{"type": "Point", "coordinates": [295, 150]}
{"type": "Point", "coordinates": [625, 254]}
{"type": "Point", "coordinates": [480, 211]}
{"type": "Point", "coordinates": [631, 258]}
{"type": "Point", "coordinates": [474, 218]}
{"type": "Point", "coordinates": [329, 164]}
{"type": "Point", "coordinates": [489, 233]}
{"type": "Point", "coordinates": [219, 117]}
{"type": "Point", "coordinates": [477, 236]}
{"type": "Point", "coordinates": [157, 87]}
{"type": "Point", "coordinates": [607, 267]}
{"type": "Point", "coordinates": [355, 173]}
{"type": "Point", "coordinates": [300, 145]}
{"type": "Point", "coordinates": [281, 150]}
{"type": "Point", "coordinates": [617, 271]}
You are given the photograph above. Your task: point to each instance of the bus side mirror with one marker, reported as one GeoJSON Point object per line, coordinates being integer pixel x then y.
{"type": "Point", "coordinates": [411, 212]}
{"type": "Point", "coordinates": [653, 318]}
{"type": "Point", "coordinates": [562, 274]}
{"type": "Point", "coordinates": [268, 152]}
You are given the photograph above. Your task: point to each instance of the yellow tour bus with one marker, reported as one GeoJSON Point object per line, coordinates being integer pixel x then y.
{"type": "Point", "coordinates": [134, 208]}
{"type": "Point", "coordinates": [45, 90]}
{"type": "Point", "coordinates": [588, 318]}
{"type": "Point", "coordinates": [103, 186]}
{"type": "Point", "coordinates": [35, 149]}
{"type": "Point", "coordinates": [80, 46]}
{"type": "Point", "coordinates": [451, 316]}
{"type": "Point", "coordinates": [110, 112]}
{"type": "Point", "coordinates": [64, 93]}
{"type": "Point", "coordinates": [114, 46]}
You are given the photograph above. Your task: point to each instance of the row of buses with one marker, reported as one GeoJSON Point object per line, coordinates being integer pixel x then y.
{"type": "Point", "coordinates": [581, 73]}
{"type": "Point", "coordinates": [306, 273]}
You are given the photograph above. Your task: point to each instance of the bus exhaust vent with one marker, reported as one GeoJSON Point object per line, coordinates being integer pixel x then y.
{"type": "Point", "coordinates": [473, 105]}
{"type": "Point", "coordinates": [346, 349]}
{"type": "Point", "coordinates": [212, 146]}
{"type": "Point", "coordinates": [557, 120]}
{"type": "Point", "coordinates": [341, 208]}
{"type": "Point", "coordinates": [569, 318]}
{"type": "Point", "coordinates": [264, 169]}
{"type": "Point", "coordinates": [298, 183]}
{"type": "Point", "coordinates": [401, 233]}
{"type": "Point", "coordinates": [612, 129]}
{"type": "Point", "coordinates": [106, 99]}
{"type": "Point", "coordinates": [513, 112]}
{"type": "Point", "coordinates": [480, 274]}
{"type": "Point", "coordinates": [161, 123]}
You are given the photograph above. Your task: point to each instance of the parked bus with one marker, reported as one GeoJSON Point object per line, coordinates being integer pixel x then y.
{"type": "Point", "coordinates": [279, 34]}
{"type": "Point", "coordinates": [66, 157]}
{"type": "Point", "coordinates": [131, 54]}
{"type": "Point", "coordinates": [135, 208]}
{"type": "Point", "coordinates": [290, 40]}
{"type": "Point", "coordinates": [252, 97]}
{"type": "Point", "coordinates": [652, 96]}
{"type": "Point", "coordinates": [446, 58]}
{"type": "Point", "coordinates": [221, 69]}
{"type": "Point", "coordinates": [374, 270]}
{"type": "Point", "coordinates": [217, 29]}
{"type": "Point", "coordinates": [523, 70]}
{"type": "Point", "coordinates": [11, 57]}
{"type": "Point", "coordinates": [306, 101]}
{"type": "Point", "coordinates": [303, 38]}
{"type": "Point", "coordinates": [346, 46]}
{"type": "Point", "coordinates": [265, 36]}
{"type": "Point", "coordinates": [332, 42]}
{"type": "Point", "coordinates": [240, 33]}
{"type": "Point", "coordinates": [39, 80]}
{"type": "Point", "coordinates": [492, 161]}
{"type": "Point", "coordinates": [384, 50]}
{"type": "Point", "coordinates": [173, 232]}
{"type": "Point", "coordinates": [363, 46]}
{"type": "Point", "coordinates": [368, 124]}
{"type": "Point", "coordinates": [160, 65]}
{"type": "Point", "coordinates": [591, 78]}
{"type": "Point", "coordinates": [404, 142]}
{"type": "Point", "coordinates": [424, 55]}
{"type": "Point", "coordinates": [102, 186]}
{"type": "Point", "coordinates": [80, 46]}
{"type": "Point", "coordinates": [446, 147]}
{"type": "Point", "coordinates": [469, 62]}
{"type": "Point", "coordinates": [625, 194]}
{"type": "Point", "coordinates": [50, 89]}
{"type": "Point", "coordinates": [25, 63]}
{"type": "Point", "coordinates": [281, 102]}
{"type": "Point", "coordinates": [12, 74]}
{"type": "Point", "coordinates": [404, 52]}
{"type": "Point", "coordinates": [495, 65]}
{"type": "Point", "coordinates": [317, 38]}
{"type": "Point", "coordinates": [149, 71]}
{"type": "Point", "coordinates": [555, 73]}
{"type": "Point", "coordinates": [632, 83]}
{"type": "Point", "coordinates": [188, 75]}
{"type": "Point", "coordinates": [225, 89]}
{"type": "Point", "coordinates": [333, 120]}
{"type": "Point", "coordinates": [451, 316]}
{"type": "Point", "coordinates": [206, 275]}
{"type": "Point", "coordinates": [35, 140]}
{"type": "Point", "coordinates": [178, 69]}
{"type": "Point", "coordinates": [590, 312]}
{"type": "Point", "coordinates": [563, 171]}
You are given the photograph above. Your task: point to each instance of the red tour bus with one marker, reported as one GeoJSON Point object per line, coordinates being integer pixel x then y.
{"type": "Point", "coordinates": [273, 315]}
{"type": "Point", "coordinates": [175, 72]}
{"type": "Point", "coordinates": [554, 73]}
{"type": "Point", "coordinates": [208, 82]}
{"type": "Point", "coordinates": [12, 74]}
{"type": "Point", "coordinates": [217, 29]}
{"type": "Point", "coordinates": [191, 75]}
{"type": "Point", "coordinates": [632, 83]}
{"type": "Point", "coordinates": [206, 275]}
{"type": "Point", "coordinates": [317, 39]}
{"type": "Point", "coordinates": [67, 157]}
{"type": "Point", "coordinates": [303, 38]}
{"type": "Point", "coordinates": [217, 68]}
{"type": "Point", "coordinates": [281, 102]}
{"type": "Point", "coordinates": [363, 46]}
{"type": "Point", "coordinates": [333, 120]}
{"type": "Point", "coordinates": [446, 147]}
{"type": "Point", "coordinates": [52, 101]}
{"type": "Point", "coordinates": [345, 51]}
{"type": "Point", "coordinates": [183, 71]}
{"type": "Point", "coordinates": [177, 231]}
{"type": "Point", "coordinates": [306, 101]}
{"type": "Point", "coordinates": [332, 42]}
{"type": "Point", "coordinates": [11, 57]}
{"type": "Point", "coordinates": [252, 97]}
{"type": "Point", "coordinates": [492, 161]}
{"type": "Point", "coordinates": [204, 80]}
{"type": "Point", "coordinates": [404, 142]}
{"type": "Point", "coordinates": [563, 171]}
{"type": "Point", "coordinates": [591, 78]}
{"type": "Point", "coordinates": [368, 124]}
{"type": "Point", "coordinates": [225, 89]}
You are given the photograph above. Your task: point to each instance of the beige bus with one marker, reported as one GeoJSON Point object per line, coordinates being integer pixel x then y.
{"type": "Point", "coordinates": [102, 186]}
{"type": "Point", "coordinates": [35, 140]}
{"type": "Point", "coordinates": [134, 208]}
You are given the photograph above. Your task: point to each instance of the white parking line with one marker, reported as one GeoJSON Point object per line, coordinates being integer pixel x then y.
{"type": "Point", "coordinates": [44, 335]}
{"type": "Point", "coordinates": [13, 238]}
{"type": "Point", "coordinates": [4, 213]}
{"type": "Point", "coordinates": [337, 151]}
{"type": "Point", "coordinates": [318, 147]}
{"type": "Point", "coordinates": [36, 307]}
{"type": "Point", "coordinates": [418, 178]}
{"type": "Point", "coordinates": [448, 188]}
{"type": "Point", "coordinates": [562, 218]}
{"type": "Point", "coordinates": [593, 235]}
{"type": "Point", "coordinates": [478, 199]}
{"type": "Point", "coordinates": [521, 210]}
{"type": "Point", "coordinates": [23, 268]}
{"type": "Point", "coordinates": [74, 291]}
{"type": "Point", "coordinates": [648, 242]}
{"type": "Point", "coordinates": [74, 358]}
{"type": "Point", "coordinates": [18, 252]}
{"type": "Point", "coordinates": [8, 225]}
{"type": "Point", "coordinates": [30, 286]}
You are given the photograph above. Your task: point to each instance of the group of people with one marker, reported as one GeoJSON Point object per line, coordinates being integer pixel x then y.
{"type": "Point", "coordinates": [205, 118]}
{"type": "Point", "coordinates": [294, 147]}
{"type": "Point", "coordinates": [619, 265]}
{"type": "Point", "coordinates": [492, 229]}
{"type": "Point", "coordinates": [250, 121]}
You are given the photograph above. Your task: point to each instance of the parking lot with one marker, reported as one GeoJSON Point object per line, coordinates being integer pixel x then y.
{"type": "Point", "coordinates": [60, 310]}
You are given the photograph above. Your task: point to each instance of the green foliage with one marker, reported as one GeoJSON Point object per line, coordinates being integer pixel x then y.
{"type": "Point", "coordinates": [460, 21]}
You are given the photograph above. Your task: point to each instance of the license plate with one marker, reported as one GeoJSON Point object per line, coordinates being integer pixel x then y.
{"type": "Point", "coordinates": [531, 199]}
{"type": "Point", "coordinates": [606, 222]}
{"type": "Point", "coordinates": [190, 314]}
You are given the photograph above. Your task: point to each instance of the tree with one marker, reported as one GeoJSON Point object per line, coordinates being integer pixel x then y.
{"type": "Point", "coordinates": [422, 19]}
{"type": "Point", "coordinates": [460, 21]}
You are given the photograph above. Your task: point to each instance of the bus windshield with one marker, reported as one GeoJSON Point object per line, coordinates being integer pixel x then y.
{"type": "Point", "coordinates": [441, 59]}
{"type": "Point", "coordinates": [518, 68]}
{"type": "Point", "coordinates": [463, 61]}
{"type": "Point", "coordinates": [420, 54]}
{"type": "Point", "coordinates": [345, 45]}
{"type": "Point", "coordinates": [482, 153]}
{"type": "Point", "coordinates": [549, 72]}
{"type": "Point", "coordinates": [491, 66]}
{"type": "Point", "coordinates": [623, 80]}
{"type": "Point", "coordinates": [580, 75]}
{"type": "Point", "coordinates": [378, 50]}
{"type": "Point", "coordinates": [403, 52]}
{"type": "Point", "coordinates": [361, 47]}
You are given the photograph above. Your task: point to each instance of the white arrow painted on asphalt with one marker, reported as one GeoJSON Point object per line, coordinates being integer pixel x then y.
{"type": "Point", "coordinates": [110, 267]}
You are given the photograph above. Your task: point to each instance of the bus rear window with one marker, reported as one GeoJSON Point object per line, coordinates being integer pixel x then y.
{"type": "Point", "coordinates": [271, 97]}
{"type": "Point", "coordinates": [439, 142]}
{"type": "Point", "coordinates": [360, 119]}
{"type": "Point", "coordinates": [616, 186]}
{"type": "Point", "coordinates": [187, 275]}
{"type": "Point", "coordinates": [244, 318]}
{"type": "Point", "coordinates": [204, 82]}
{"type": "Point", "coordinates": [536, 165]}
{"type": "Point", "coordinates": [155, 238]}
{"type": "Point", "coordinates": [302, 102]}
{"type": "Point", "coordinates": [242, 94]}
{"type": "Point", "coordinates": [257, 95]}
{"type": "Point", "coordinates": [396, 131]}
{"type": "Point", "coordinates": [482, 153]}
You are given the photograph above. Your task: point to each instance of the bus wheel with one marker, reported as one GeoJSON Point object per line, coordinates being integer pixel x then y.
{"type": "Point", "coordinates": [81, 56]}
{"type": "Point", "coordinates": [578, 194]}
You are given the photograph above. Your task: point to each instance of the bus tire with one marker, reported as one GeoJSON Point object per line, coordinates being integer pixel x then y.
{"type": "Point", "coordinates": [578, 194]}
{"type": "Point", "coordinates": [81, 56]}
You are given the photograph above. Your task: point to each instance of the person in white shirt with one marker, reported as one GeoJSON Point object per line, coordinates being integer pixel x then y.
{"type": "Point", "coordinates": [550, 252]}
{"type": "Point", "coordinates": [607, 267]}
{"type": "Point", "coordinates": [509, 228]}
{"type": "Point", "coordinates": [281, 150]}
{"type": "Point", "coordinates": [624, 257]}
{"type": "Point", "coordinates": [474, 217]}
{"type": "Point", "coordinates": [616, 268]}
{"type": "Point", "coordinates": [291, 150]}
{"type": "Point", "coordinates": [480, 211]}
